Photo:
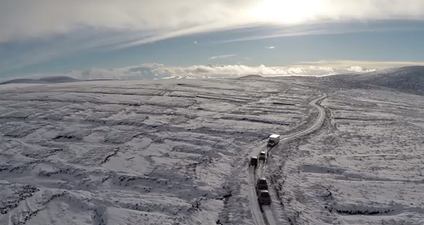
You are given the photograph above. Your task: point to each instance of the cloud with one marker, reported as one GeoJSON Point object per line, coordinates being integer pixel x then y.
{"type": "Point", "coordinates": [222, 56]}
{"type": "Point", "coordinates": [38, 18]}
{"type": "Point", "coordinates": [357, 69]}
{"type": "Point", "coordinates": [151, 71]}
{"type": "Point", "coordinates": [112, 24]}
{"type": "Point", "coordinates": [161, 18]}
{"type": "Point", "coordinates": [270, 47]}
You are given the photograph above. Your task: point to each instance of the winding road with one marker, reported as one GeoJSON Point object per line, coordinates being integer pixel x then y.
{"type": "Point", "coordinates": [266, 216]}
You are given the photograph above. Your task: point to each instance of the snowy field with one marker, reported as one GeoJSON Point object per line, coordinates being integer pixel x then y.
{"type": "Point", "coordinates": [163, 152]}
{"type": "Point", "coordinates": [365, 166]}
{"type": "Point", "coordinates": [176, 152]}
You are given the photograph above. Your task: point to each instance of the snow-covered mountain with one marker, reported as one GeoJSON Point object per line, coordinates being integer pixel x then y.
{"type": "Point", "coordinates": [250, 76]}
{"type": "Point", "coordinates": [44, 80]}
{"type": "Point", "coordinates": [51, 80]}
{"type": "Point", "coordinates": [407, 79]}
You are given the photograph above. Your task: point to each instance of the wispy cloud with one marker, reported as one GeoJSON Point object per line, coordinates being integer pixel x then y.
{"type": "Point", "coordinates": [222, 56]}
{"type": "Point", "coordinates": [270, 47]}
{"type": "Point", "coordinates": [329, 27]}
{"type": "Point", "coordinates": [111, 24]}
{"type": "Point", "coordinates": [39, 18]}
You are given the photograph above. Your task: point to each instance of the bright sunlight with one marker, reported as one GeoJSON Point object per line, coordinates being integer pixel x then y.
{"type": "Point", "coordinates": [288, 11]}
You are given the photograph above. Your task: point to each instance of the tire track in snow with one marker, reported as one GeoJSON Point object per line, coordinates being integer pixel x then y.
{"type": "Point", "coordinates": [267, 217]}
{"type": "Point", "coordinates": [256, 211]}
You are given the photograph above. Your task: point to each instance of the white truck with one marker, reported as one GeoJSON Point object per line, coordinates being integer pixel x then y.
{"type": "Point", "coordinates": [273, 140]}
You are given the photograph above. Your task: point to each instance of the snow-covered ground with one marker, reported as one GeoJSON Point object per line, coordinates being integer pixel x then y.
{"type": "Point", "coordinates": [365, 166]}
{"type": "Point", "coordinates": [163, 152]}
{"type": "Point", "coordinates": [176, 152]}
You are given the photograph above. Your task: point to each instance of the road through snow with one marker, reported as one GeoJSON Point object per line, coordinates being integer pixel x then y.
{"type": "Point", "coordinates": [315, 126]}
{"type": "Point", "coordinates": [266, 216]}
{"type": "Point", "coordinates": [256, 211]}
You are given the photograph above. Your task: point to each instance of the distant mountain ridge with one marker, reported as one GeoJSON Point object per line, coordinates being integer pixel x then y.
{"type": "Point", "coordinates": [407, 79]}
{"type": "Point", "coordinates": [48, 80]}
{"type": "Point", "coordinates": [44, 80]}
{"type": "Point", "coordinates": [251, 76]}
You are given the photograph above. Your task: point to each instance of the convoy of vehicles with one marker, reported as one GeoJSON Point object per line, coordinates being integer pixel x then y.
{"type": "Point", "coordinates": [262, 190]}
{"type": "Point", "coordinates": [262, 184]}
{"type": "Point", "coordinates": [273, 140]}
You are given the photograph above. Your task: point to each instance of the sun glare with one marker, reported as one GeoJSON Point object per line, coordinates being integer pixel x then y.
{"type": "Point", "coordinates": [287, 11]}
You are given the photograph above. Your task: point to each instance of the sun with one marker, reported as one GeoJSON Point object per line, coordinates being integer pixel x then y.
{"type": "Point", "coordinates": [287, 11]}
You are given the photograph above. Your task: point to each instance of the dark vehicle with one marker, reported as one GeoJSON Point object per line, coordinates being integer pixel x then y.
{"type": "Point", "coordinates": [262, 155]}
{"type": "Point", "coordinates": [262, 184]}
{"type": "Point", "coordinates": [264, 198]}
{"type": "Point", "coordinates": [254, 161]}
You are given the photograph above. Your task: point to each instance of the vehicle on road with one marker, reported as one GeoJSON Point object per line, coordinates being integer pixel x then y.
{"type": "Point", "coordinates": [261, 184]}
{"type": "Point", "coordinates": [254, 161]}
{"type": "Point", "coordinates": [264, 198]}
{"type": "Point", "coordinates": [262, 155]}
{"type": "Point", "coordinates": [273, 140]}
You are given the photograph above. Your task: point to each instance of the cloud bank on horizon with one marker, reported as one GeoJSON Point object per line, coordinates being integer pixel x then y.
{"type": "Point", "coordinates": [150, 20]}
{"type": "Point", "coordinates": [153, 71]}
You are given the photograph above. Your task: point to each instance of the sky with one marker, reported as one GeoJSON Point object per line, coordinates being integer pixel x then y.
{"type": "Point", "coordinates": [147, 39]}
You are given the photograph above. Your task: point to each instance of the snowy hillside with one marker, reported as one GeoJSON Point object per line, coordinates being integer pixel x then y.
{"type": "Point", "coordinates": [45, 80]}
{"type": "Point", "coordinates": [407, 79]}
{"type": "Point", "coordinates": [176, 152]}
{"type": "Point", "coordinates": [137, 153]}
{"type": "Point", "coordinates": [363, 167]}
{"type": "Point", "coordinates": [50, 80]}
